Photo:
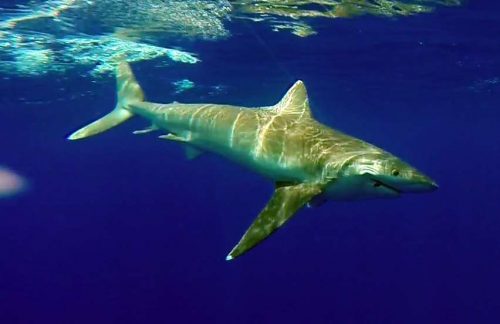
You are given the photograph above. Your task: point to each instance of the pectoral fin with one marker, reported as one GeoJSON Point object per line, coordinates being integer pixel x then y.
{"type": "Point", "coordinates": [284, 203]}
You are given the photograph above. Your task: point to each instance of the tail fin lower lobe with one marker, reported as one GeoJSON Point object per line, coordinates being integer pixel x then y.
{"type": "Point", "coordinates": [128, 91]}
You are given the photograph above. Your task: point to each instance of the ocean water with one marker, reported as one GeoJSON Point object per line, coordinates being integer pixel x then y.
{"type": "Point", "coordinates": [120, 228]}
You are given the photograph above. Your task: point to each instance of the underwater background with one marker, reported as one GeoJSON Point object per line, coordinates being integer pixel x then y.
{"type": "Point", "coordinates": [121, 228]}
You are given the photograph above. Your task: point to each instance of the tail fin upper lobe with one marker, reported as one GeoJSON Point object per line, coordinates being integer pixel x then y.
{"type": "Point", "coordinates": [128, 92]}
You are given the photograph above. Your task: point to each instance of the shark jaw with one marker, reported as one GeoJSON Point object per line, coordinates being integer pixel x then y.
{"type": "Point", "coordinates": [306, 160]}
{"type": "Point", "coordinates": [359, 187]}
{"type": "Point", "coordinates": [422, 185]}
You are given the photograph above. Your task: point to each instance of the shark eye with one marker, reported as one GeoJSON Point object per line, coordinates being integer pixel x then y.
{"type": "Point", "coordinates": [395, 172]}
{"type": "Point", "coordinates": [377, 184]}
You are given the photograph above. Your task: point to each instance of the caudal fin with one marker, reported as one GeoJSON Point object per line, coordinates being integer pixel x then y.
{"type": "Point", "coordinates": [128, 92]}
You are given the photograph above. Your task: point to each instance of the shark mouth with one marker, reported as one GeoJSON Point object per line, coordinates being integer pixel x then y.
{"type": "Point", "coordinates": [378, 183]}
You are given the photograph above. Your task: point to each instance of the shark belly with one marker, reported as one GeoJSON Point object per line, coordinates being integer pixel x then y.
{"type": "Point", "coordinates": [253, 137]}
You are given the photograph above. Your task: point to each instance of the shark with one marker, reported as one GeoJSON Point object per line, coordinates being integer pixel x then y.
{"type": "Point", "coordinates": [308, 161]}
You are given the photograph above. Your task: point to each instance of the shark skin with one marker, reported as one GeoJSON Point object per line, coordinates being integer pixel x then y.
{"type": "Point", "coordinates": [307, 161]}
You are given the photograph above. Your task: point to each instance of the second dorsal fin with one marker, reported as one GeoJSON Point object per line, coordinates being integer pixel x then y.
{"type": "Point", "coordinates": [295, 101]}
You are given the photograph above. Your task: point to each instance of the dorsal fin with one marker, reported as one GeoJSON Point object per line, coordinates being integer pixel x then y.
{"type": "Point", "coordinates": [295, 101]}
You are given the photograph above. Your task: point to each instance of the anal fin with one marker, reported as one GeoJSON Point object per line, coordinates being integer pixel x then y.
{"type": "Point", "coordinates": [284, 203]}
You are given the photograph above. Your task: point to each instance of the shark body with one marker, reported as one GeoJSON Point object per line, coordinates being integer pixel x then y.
{"type": "Point", "coordinates": [307, 161]}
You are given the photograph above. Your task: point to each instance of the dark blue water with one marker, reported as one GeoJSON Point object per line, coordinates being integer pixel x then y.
{"type": "Point", "coordinates": [122, 229]}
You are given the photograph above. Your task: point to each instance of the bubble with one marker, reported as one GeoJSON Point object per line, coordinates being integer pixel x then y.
{"type": "Point", "coordinates": [293, 15]}
{"type": "Point", "coordinates": [56, 36]}
{"type": "Point", "coordinates": [183, 85]}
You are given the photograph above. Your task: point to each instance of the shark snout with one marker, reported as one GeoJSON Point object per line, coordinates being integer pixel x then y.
{"type": "Point", "coordinates": [418, 187]}
{"type": "Point", "coordinates": [422, 183]}
{"type": "Point", "coordinates": [417, 183]}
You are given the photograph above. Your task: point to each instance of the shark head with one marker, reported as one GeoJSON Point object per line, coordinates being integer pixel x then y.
{"type": "Point", "coordinates": [377, 175]}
